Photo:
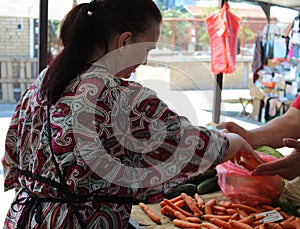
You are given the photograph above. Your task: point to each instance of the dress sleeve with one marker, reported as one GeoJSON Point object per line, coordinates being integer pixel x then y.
{"type": "Point", "coordinates": [15, 140]}
{"type": "Point", "coordinates": [172, 150]}
{"type": "Point", "coordinates": [10, 159]}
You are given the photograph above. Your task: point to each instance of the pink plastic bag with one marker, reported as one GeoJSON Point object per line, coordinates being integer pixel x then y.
{"type": "Point", "coordinates": [239, 186]}
{"type": "Point", "coordinates": [222, 27]}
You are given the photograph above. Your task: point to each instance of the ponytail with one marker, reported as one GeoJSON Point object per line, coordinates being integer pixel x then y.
{"type": "Point", "coordinates": [76, 36]}
{"type": "Point", "coordinates": [88, 27]}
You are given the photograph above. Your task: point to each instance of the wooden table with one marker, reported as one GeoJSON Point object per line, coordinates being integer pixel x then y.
{"type": "Point", "coordinates": [144, 221]}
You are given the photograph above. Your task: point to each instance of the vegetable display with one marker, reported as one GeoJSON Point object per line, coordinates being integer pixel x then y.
{"type": "Point", "coordinates": [193, 212]}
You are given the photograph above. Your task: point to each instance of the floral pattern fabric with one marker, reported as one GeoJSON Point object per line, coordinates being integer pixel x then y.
{"type": "Point", "coordinates": [110, 137]}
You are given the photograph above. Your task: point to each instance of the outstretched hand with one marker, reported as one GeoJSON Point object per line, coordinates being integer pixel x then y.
{"type": "Point", "coordinates": [242, 153]}
{"type": "Point", "coordinates": [287, 167]}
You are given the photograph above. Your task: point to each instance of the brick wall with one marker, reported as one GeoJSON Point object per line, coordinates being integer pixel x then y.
{"type": "Point", "coordinates": [14, 37]}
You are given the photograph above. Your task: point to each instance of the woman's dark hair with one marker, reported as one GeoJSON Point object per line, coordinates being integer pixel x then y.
{"type": "Point", "coordinates": [89, 26]}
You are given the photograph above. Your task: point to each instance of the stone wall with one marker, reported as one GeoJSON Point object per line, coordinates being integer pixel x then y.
{"type": "Point", "coordinates": [193, 74]}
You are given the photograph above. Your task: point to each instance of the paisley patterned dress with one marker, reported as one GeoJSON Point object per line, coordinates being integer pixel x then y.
{"type": "Point", "coordinates": [112, 139]}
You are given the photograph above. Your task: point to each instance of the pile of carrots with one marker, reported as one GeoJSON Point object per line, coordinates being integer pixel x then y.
{"type": "Point", "coordinates": [193, 212]}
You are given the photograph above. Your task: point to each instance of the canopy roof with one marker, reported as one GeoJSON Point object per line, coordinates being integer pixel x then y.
{"type": "Point", "coordinates": [292, 4]}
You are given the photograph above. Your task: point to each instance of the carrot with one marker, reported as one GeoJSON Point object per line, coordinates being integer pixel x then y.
{"type": "Point", "coordinates": [267, 207]}
{"type": "Point", "coordinates": [219, 208]}
{"type": "Point", "coordinates": [254, 199]}
{"type": "Point", "coordinates": [261, 226]}
{"type": "Point", "coordinates": [192, 219]}
{"type": "Point", "coordinates": [177, 208]}
{"type": "Point", "coordinates": [297, 223]}
{"type": "Point", "coordinates": [288, 225]}
{"type": "Point", "coordinates": [185, 224]}
{"type": "Point", "coordinates": [180, 203]}
{"type": "Point", "coordinates": [162, 203]}
{"type": "Point", "coordinates": [231, 211]}
{"type": "Point", "coordinates": [219, 213]}
{"type": "Point", "coordinates": [208, 206]}
{"type": "Point", "coordinates": [225, 204]}
{"type": "Point", "coordinates": [235, 216]}
{"type": "Point", "coordinates": [191, 203]}
{"type": "Point", "coordinates": [199, 200]}
{"type": "Point", "coordinates": [211, 202]}
{"type": "Point", "coordinates": [245, 207]}
{"type": "Point", "coordinates": [248, 220]}
{"type": "Point", "coordinates": [208, 209]}
{"type": "Point", "coordinates": [175, 199]}
{"type": "Point", "coordinates": [179, 215]}
{"type": "Point", "coordinates": [256, 224]}
{"type": "Point", "coordinates": [259, 217]}
{"type": "Point", "coordinates": [284, 215]}
{"type": "Point", "coordinates": [150, 213]}
{"type": "Point", "coordinates": [290, 219]}
{"type": "Point", "coordinates": [239, 225]}
{"type": "Point", "coordinates": [210, 216]}
{"type": "Point", "coordinates": [247, 165]}
{"type": "Point", "coordinates": [273, 225]}
{"type": "Point", "coordinates": [209, 225]}
{"type": "Point", "coordinates": [242, 213]}
{"type": "Point", "coordinates": [167, 210]}
{"type": "Point", "coordinates": [220, 223]}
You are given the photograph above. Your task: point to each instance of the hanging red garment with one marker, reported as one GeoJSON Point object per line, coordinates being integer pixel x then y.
{"type": "Point", "coordinates": [222, 27]}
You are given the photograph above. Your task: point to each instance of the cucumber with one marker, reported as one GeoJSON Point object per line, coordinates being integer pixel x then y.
{"type": "Point", "coordinates": [202, 177]}
{"type": "Point", "coordinates": [188, 188]}
{"type": "Point", "coordinates": [208, 186]}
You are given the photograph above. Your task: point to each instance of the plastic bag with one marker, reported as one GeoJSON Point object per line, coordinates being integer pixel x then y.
{"type": "Point", "coordinates": [291, 191]}
{"type": "Point", "coordinates": [222, 27]}
{"type": "Point", "coordinates": [238, 185]}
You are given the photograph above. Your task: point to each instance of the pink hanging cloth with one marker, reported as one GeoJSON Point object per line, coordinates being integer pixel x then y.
{"type": "Point", "coordinates": [222, 27]}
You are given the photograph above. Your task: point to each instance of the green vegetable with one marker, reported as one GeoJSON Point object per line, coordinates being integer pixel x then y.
{"type": "Point", "coordinates": [207, 174]}
{"type": "Point", "coordinates": [188, 188]}
{"type": "Point", "coordinates": [208, 186]}
{"type": "Point", "coordinates": [270, 151]}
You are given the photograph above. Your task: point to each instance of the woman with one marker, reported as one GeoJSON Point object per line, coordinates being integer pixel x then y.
{"type": "Point", "coordinates": [83, 141]}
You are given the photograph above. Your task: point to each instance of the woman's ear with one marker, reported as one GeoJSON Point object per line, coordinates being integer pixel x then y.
{"type": "Point", "coordinates": [124, 39]}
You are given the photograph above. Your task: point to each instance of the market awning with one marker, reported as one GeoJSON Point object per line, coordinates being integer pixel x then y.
{"type": "Point", "coordinates": [291, 4]}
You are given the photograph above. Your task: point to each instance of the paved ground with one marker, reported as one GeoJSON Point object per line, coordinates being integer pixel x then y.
{"type": "Point", "coordinates": [195, 105]}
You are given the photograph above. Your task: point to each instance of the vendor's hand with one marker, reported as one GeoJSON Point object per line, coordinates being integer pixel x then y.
{"type": "Point", "coordinates": [241, 152]}
{"type": "Point", "coordinates": [287, 167]}
{"type": "Point", "coordinates": [232, 127]}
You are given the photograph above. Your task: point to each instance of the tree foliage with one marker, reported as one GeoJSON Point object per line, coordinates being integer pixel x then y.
{"type": "Point", "coordinates": [180, 27]}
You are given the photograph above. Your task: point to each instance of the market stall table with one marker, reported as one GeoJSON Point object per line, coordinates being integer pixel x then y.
{"type": "Point", "coordinates": [144, 221]}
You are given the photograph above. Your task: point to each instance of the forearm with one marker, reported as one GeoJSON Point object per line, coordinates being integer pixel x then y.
{"type": "Point", "coordinates": [236, 143]}
{"type": "Point", "coordinates": [273, 132]}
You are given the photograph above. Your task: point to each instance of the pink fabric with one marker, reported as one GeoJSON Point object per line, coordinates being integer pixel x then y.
{"type": "Point", "coordinates": [222, 28]}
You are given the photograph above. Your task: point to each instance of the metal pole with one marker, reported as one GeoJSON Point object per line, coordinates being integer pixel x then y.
{"type": "Point", "coordinates": [218, 85]}
{"type": "Point", "coordinates": [43, 34]}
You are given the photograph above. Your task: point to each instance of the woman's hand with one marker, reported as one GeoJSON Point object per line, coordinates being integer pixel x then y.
{"type": "Point", "coordinates": [241, 152]}
{"type": "Point", "coordinates": [287, 167]}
